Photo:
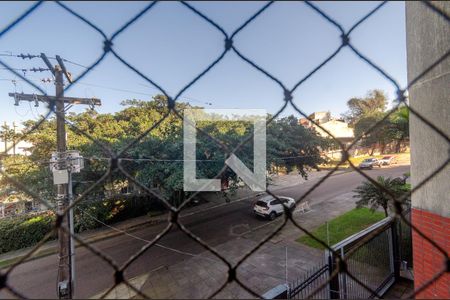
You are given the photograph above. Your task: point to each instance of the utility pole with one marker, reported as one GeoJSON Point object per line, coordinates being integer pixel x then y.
{"type": "Point", "coordinates": [5, 137]}
{"type": "Point", "coordinates": [65, 280]}
{"type": "Point", "coordinates": [14, 138]}
{"type": "Point", "coordinates": [62, 171]}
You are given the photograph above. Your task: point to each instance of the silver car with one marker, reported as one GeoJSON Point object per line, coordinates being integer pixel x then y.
{"type": "Point", "coordinates": [369, 163]}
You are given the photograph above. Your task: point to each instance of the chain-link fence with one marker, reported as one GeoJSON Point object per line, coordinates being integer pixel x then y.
{"type": "Point", "coordinates": [116, 158]}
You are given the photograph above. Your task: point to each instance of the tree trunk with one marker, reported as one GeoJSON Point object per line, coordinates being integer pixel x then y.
{"type": "Point", "coordinates": [385, 211]}
{"type": "Point", "coordinates": [181, 198]}
{"type": "Point", "coordinates": [383, 147]}
{"type": "Point", "coordinates": [398, 145]}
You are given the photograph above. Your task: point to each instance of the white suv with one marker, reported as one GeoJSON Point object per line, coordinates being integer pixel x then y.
{"type": "Point", "coordinates": [271, 207]}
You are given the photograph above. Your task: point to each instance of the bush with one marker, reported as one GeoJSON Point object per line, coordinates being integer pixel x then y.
{"type": "Point", "coordinates": [112, 210]}
{"type": "Point", "coordinates": [24, 231]}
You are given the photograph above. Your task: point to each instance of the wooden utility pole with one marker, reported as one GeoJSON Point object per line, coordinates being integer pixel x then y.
{"type": "Point", "coordinates": [65, 279]}
{"type": "Point", "coordinates": [5, 137]}
{"type": "Point", "coordinates": [14, 138]}
{"type": "Point", "coordinates": [66, 266]}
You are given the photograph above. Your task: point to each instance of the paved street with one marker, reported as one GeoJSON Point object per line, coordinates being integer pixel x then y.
{"type": "Point", "coordinates": [179, 267]}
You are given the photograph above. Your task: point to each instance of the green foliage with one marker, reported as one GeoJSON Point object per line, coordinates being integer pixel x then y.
{"type": "Point", "coordinates": [33, 175]}
{"type": "Point", "coordinates": [371, 195]}
{"type": "Point", "coordinates": [24, 231]}
{"type": "Point", "coordinates": [342, 227]}
{"type": "Point", "coordinates": [292, 146]}
{"type": "Point", "coordinates": [8, 134]}
{"type": "Point", "coordinates": [374, 103]}
{"type": "Point", "coordinates": [379, 135]}
{"type": "Point", "coordinates": [399, 126]}
{"type": "Point", "coordinates": [156, 158]}
{"type": "Point", "coordinates": [113, 210]}
{"type": "Point", "coordinates": [365, 113]}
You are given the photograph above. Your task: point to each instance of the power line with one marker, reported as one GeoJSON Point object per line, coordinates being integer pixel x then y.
{"type": "Point", "coordinates": [114, 89]}
{"type": "Point", "coordinates": [183, 97]}
{"type": "Point", "coordinates": [93, 158]}
{"type": "Point", "coordinates": [147, 241]}
{"type": "Point", "coordinates": [21, 55]}
{"type": "Point", "coordinates": [74, 63]}
{"type": "Point", "coordinates": [30, 56]}
{"type": "Point", "coordinates": [14, 69]}
{"type": "Point", "coordinates": [135, 92]}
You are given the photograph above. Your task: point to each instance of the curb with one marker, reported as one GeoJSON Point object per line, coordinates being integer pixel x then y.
{"type": "Point", "coordinates": [53, 249]}
{"type": "Point", "coordinates": [339, 172]}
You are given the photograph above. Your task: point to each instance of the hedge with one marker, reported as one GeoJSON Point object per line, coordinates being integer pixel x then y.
{"type": "Point", "coordinates": [113, 210]}
{"type": "Point", "coordinates": [25, 231]}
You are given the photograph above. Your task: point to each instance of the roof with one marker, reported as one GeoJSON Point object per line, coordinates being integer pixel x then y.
{"type": "Point", "coordinates": [266, 198]}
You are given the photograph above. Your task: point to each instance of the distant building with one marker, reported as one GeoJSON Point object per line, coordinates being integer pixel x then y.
{"type": "Point", "coordinates": [21, 148]}
{"type": "Point", "coordinates": [318, 117]}
{"type": "Point", "coordinates": [337, 127]}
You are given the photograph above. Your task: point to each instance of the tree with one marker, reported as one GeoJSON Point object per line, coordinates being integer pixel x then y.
{"type": "Point", "coordinates": [374, 103]}
{"type": "Point", "coordinates": [399, 126]}
{"type": "Point", "coordinates": [365, 112]}
{"type": "Point", "coordinates": [371, 195]}
{"type": "Point", "coordinates": [378, 136]}
{"type": "Point", "coordinates": [292, 146]}
{"type": "Point", "coordinates": [34, 175]}
{"type": "Point", "coordinates": [156, 159]}
{"type": "Point", "coordinates": [8, 134]}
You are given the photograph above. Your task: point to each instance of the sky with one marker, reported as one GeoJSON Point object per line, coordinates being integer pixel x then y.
{"type": "Point", "coordinates": [171, 45]}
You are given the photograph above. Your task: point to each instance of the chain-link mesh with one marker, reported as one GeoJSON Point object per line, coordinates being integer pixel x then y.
{"type": "Point", "coordinates": [116, 158]}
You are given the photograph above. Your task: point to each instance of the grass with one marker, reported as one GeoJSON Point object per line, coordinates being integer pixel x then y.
{"type": "Point", "coordinates": [357, 160]}
{"type": "Point", "coordinates": [342, 227]}
{"type": "Point", "coordinates": [8, 262]}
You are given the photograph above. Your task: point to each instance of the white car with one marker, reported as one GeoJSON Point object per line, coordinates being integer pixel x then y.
{"type": "Point", "coordinates": [270, 207]}
{"type": "Point", "coordinates": [388, 160]}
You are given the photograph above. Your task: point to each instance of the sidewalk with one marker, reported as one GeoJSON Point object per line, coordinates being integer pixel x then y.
{"type": "Point", "coordinates": [295, 178]}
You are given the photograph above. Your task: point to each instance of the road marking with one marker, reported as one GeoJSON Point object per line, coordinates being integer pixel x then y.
{"type": "Point", "coordinates": [236, 227]}
{"type": "Point", "coordinates": [147, 241]}
{"type": "Point", "coordinates": [257, 228]}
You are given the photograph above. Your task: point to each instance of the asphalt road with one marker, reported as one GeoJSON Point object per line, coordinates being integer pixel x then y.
{"type": "Point", "coordinates": [37, 278]}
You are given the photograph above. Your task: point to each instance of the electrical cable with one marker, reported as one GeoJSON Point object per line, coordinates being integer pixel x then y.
{"type": "Point", "coordinates": [147, 241]}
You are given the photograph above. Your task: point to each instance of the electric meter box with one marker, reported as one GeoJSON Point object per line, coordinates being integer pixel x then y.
{"type": "Point", "coordinates": [70, 160]}
{"type": "Point", "coordinates": [75, 160]}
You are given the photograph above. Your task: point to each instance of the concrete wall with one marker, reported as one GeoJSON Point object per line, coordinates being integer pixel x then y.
{"type": "Point", "coordinates": [428, 38]}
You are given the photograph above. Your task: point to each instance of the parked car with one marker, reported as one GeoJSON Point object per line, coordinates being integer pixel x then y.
{"type": "Point", "coordinates": [369, 163]}
{"type": "Point", "coordinates": [388, 160]}
{"type": "Point", "coordinates": [270, 207]}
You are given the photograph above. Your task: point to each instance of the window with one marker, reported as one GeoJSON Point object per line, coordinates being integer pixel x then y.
{"type": "Point", "coordinates": [261, 203]}
{"type": "Point", "coordinates": [275, 202]}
